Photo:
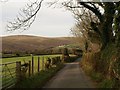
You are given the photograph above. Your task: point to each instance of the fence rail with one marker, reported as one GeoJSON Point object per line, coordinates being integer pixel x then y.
{"type": "Point", "coordinates": [13, 72]}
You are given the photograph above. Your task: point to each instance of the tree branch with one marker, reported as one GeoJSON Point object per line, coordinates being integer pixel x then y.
{"type": "Point", "coordinates": [25, 20]}
{"type": "Point", "coordinates": [94, 10]}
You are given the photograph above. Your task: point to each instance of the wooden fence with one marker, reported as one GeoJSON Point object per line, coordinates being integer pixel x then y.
{"type": "Point", "coordinates": [12, 73]}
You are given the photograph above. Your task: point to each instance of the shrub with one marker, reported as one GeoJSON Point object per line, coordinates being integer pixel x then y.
{"type": "Point", "coordinates": [103, 66]}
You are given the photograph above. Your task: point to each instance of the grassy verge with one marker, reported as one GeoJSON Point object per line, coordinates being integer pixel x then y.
{"type": "Point", "coordinates": [38, 80]}
{"type": "Point", "coordinates": [102, 81]}
{"type": "Point", "coordinates": [101, 66]}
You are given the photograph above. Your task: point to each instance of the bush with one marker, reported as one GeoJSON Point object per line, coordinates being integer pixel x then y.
{"type": "Point", "coordinates": [106, 83]}
{"type": "Point", "coordinates": [103, 66]}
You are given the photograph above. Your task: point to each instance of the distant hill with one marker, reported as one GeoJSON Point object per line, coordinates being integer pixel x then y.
{"type": "Point", "coordinates": [26, 43]}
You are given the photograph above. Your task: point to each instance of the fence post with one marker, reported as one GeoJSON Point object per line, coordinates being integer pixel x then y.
{"type": "Point", "coordinates": [32, 65]}
{"type": "Point", "coordinates": [38, 63]}
{"type": "Point", "coordinates": [43, 63]}
{"type": "Point", "coordinates": [18, 71]}
{"type": "Point", "coordinates": [29, 70]}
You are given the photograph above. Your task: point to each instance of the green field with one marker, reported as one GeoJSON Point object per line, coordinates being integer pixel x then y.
{"type": "Point", "coordinates": [27, 58]}
{"type": "Point", "coordinates": [7, 70]}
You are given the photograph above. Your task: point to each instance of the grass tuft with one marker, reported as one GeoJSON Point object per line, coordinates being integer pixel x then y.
{"type": "Point", "coordinates": [38, 80]}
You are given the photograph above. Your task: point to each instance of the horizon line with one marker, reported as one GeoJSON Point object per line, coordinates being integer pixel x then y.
{"type": "Point", "coordinates": [35, 35]}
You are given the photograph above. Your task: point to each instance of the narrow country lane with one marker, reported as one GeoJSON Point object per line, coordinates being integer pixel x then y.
{"type": "Point", "coordinates": [71, 76]}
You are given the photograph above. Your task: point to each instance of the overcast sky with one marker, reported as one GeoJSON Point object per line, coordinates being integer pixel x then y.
{"type": "Point", "coordinates": [50, 22]}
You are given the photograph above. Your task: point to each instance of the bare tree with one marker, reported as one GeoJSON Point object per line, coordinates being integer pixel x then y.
{"type": "Point", "coordinates": [26, 17]}
{"type": "Point", "coordinates": [104, 11]}
{"type": "Point", "coordinates": [83, 30]}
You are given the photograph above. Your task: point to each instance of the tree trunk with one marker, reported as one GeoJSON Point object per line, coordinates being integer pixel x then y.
{"type": "Point", "coordinates": [107, 33]}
